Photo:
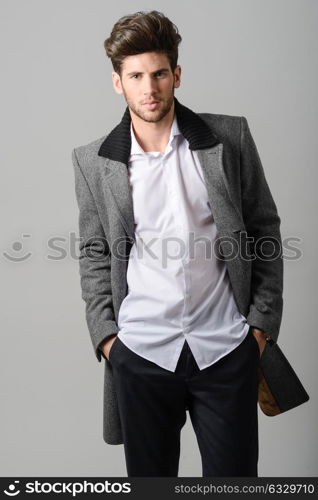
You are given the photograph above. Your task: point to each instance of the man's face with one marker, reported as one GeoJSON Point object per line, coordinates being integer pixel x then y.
{"type": "Point", "coordinates": [148, 84]}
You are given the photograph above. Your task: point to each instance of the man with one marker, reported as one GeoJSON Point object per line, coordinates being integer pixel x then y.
{"type": "Point", "coordinates": [180, 327]}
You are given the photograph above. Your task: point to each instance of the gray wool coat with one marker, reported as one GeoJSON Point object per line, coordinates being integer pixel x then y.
{"type": "Point", "coordinates": [241, 203]}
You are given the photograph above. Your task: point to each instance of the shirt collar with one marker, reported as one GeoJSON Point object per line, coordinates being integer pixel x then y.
{"type": "Point", "coordinates": [136, 149]}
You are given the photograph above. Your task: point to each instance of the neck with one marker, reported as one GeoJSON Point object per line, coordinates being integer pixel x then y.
{"type": "Point", "coordinates": [153, 136]}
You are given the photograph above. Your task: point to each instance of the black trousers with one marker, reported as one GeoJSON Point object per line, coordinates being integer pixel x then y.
{"type": "Point", "coordinates": [221, 400]}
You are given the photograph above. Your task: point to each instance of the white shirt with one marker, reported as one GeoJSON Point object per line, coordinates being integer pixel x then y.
{"type": "Point", "coordinates": [177, 290]}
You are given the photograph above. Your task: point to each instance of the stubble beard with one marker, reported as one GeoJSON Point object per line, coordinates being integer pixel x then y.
{"type": "Point", "coordinates": [148, 115]}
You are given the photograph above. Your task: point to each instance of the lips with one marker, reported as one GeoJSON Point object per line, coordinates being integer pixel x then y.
{"type": "Point", "coordinates": [151, 104]}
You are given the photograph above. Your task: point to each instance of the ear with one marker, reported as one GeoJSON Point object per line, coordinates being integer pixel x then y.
{"type": "Point", "coordinates": [117, 83]}
{"type": "Point", "coordinates": [177, 76]}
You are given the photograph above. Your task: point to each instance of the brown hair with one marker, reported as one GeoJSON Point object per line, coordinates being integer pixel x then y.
{"type": "Point", "coordinates": [142, 32]}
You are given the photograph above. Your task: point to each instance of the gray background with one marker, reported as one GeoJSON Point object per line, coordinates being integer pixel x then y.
{"type": "Point", "coordinates": [249, 57]}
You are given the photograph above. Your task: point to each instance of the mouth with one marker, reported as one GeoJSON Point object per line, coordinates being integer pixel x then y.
{"type": "Point", "coordinates": [151, 104]}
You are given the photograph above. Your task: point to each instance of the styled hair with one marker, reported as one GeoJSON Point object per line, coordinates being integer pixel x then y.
{"type": "Point", "coordinates": [142, 32]}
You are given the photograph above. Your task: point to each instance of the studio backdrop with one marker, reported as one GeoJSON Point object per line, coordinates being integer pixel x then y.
{"type": "Point", "coordinates": [247, 58]}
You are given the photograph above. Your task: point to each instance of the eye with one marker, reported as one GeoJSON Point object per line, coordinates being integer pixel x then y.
{"type": "Point", "coordinates": [133, 76]}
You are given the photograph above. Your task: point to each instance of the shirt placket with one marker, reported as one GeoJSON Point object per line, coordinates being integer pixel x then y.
{"type": "Point", "coordinates": [181, 231]}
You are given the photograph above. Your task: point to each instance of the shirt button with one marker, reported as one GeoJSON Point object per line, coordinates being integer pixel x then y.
{"type": "Point", "coordinates": [186, 329]}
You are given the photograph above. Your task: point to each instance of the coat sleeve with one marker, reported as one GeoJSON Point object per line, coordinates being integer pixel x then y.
{"type": "Point", "coordinates": [94, 264]}
{"type": "Point", "coordinates": [263, 225]}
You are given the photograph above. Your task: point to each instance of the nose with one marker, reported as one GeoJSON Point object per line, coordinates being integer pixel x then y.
{"type": "Point", "coordinates": [150, 86]}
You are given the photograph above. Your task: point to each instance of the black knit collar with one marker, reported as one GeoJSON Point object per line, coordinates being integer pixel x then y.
{"type": "Point", "coordinates": [117, 144]}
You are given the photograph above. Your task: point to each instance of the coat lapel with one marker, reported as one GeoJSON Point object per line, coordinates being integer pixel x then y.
{"type": "Point", "coordinates": [226, 215]}
{"type": "Point", "coordinates": [115, 175]}
{"type": "Point", "coordinates": [115, 181]}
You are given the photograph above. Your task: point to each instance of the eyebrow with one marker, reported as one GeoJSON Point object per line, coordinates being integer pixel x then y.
{"type": "Point", "coordinates": [154, 72]}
